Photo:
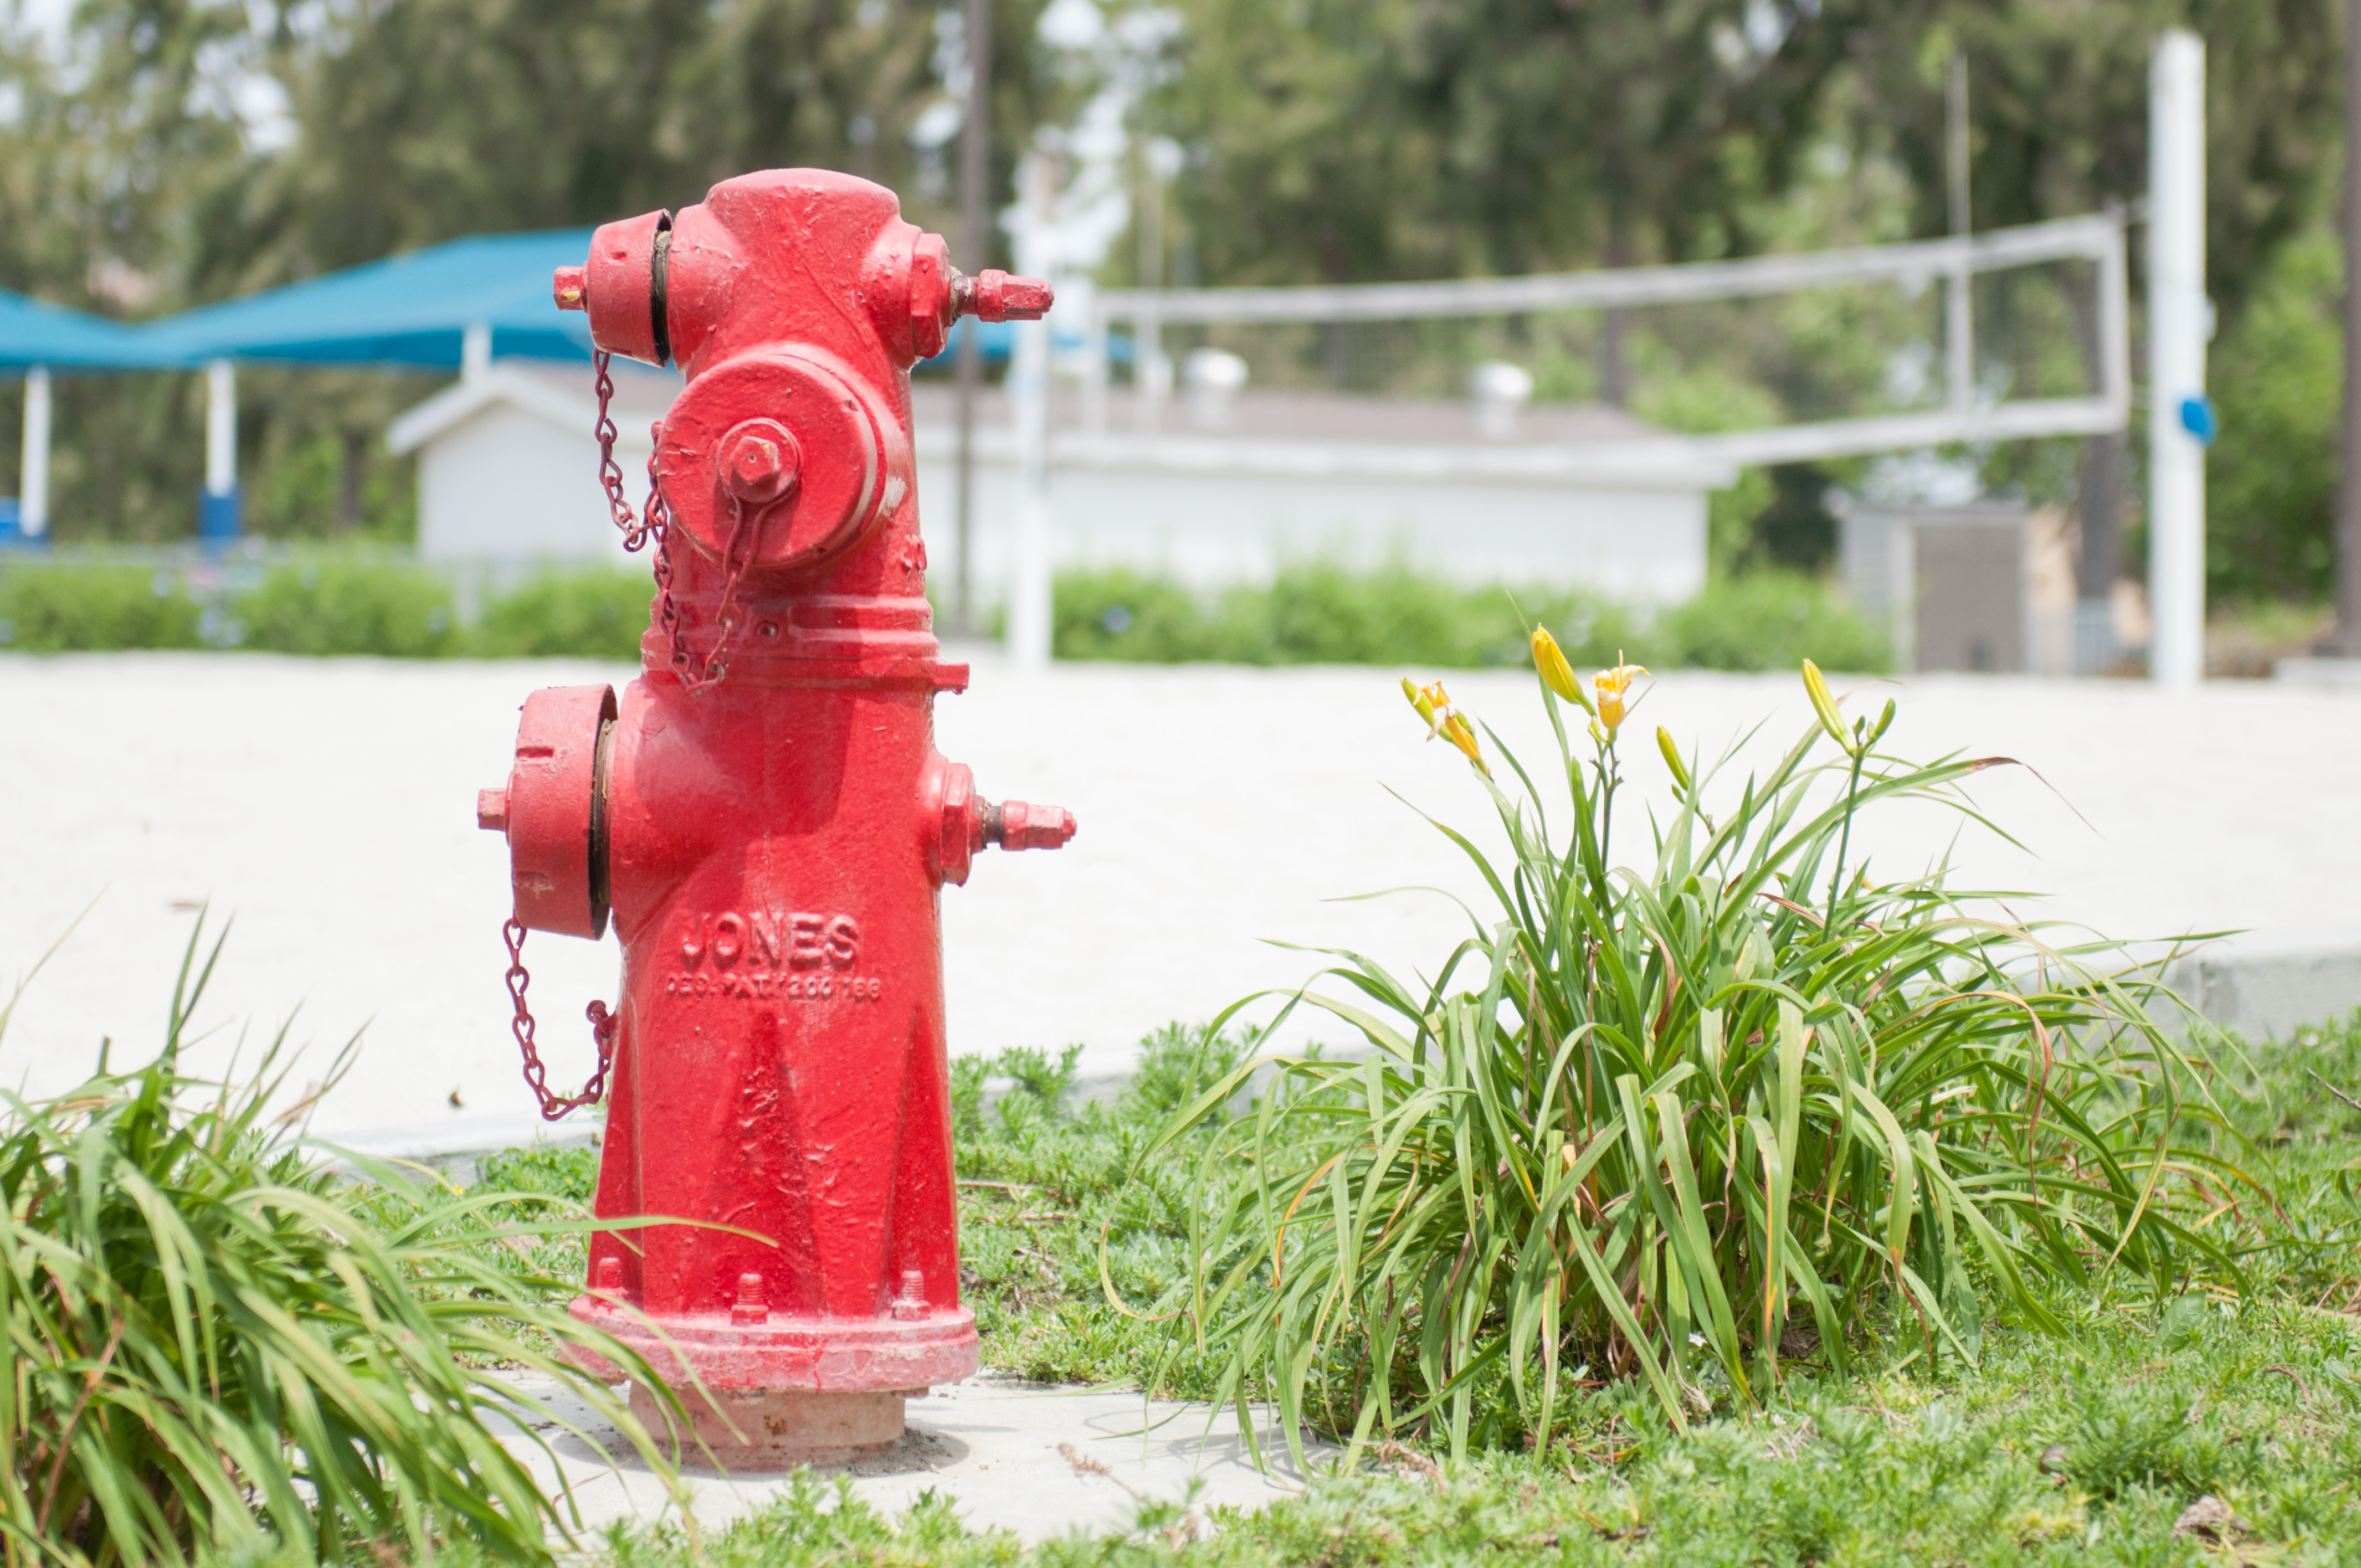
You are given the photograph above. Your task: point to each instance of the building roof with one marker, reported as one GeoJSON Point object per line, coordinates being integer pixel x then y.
{"type": "Point", "coordinates": [34, 332]}
{"type": "Point", "coordinates": [1342, 434]}
{"type": "Point", "coordinates": [565, 396]}
{"type": "Point", "coordinates": [411, 310]}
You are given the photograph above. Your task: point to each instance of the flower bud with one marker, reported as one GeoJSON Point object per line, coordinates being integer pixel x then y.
{"type": "Point", "coordinates": [1815, 686]}
{"type": "Point", "coordinates": [1673, 758]}
{"type": "Point", "coordinates": [1555, 673]}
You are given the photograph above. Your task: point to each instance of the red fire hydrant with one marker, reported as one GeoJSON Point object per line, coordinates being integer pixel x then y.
{"type": "Point", "coordinates": [765, 816]}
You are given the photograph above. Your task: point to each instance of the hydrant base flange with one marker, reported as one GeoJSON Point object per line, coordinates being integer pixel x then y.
{"type": "Point", "coordinates": [768, 1428]}
{"type": "Point", "coordinates": [832, 1356]}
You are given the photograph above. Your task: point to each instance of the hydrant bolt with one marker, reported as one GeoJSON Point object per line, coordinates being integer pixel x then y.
{"type": "Point", "coordinates": [493, 810]}
{"type": "Point", "coordinates": [759, 461]}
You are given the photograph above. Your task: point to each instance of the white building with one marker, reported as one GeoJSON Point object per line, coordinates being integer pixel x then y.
{"type": "Point", "coordinates": [1235, 485]}
{"type": "Point", "coordinates": [1230, 489]}
{"type": "Point", "coordinates": [508, 464]}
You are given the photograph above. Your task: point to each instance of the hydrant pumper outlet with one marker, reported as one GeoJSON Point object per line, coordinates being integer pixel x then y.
{"type": "Point", "coordinates": [764, 818]}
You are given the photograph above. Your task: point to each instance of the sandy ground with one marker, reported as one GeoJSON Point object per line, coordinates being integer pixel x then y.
{"type": "Point", "coordinates": [326, 808]}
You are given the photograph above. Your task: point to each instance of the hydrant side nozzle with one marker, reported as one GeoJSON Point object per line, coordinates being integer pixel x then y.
{"type": "Point", "coordinates": [992, 295]}
{"type": "Point", "coordinates": [1020, 824]}
{"type": "Point", "coordinates": [493, 810]}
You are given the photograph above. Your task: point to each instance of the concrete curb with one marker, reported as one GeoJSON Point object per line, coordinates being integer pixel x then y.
{"type": "Point", "coordinates": [2266, 987]}
{"type": "Point", "coordinates": [2260, 987]}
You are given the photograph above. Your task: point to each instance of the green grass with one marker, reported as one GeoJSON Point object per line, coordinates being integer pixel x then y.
{"type": "Point", "coordinates": [2084, 1447]}
{"type": "Point", "coordinates": [2087, 1456]}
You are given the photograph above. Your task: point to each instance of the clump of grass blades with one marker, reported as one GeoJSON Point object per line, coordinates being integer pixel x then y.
{"type": "Point", "coordinates": [221, 1345]}
{"type": "Point", "coordinates": [1677, 1123]}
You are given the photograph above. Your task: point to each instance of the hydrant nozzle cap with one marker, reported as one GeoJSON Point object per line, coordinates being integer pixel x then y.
{"type": "Point", "coordinates": [992, 295]}
{"type": "Point", "coordinates": [1021, 825]}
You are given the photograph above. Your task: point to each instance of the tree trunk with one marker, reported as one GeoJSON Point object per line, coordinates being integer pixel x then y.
{"type": "Point", "coordinates": [2347, 637]}
{"type": "Point", "coordinates": [2107, 462]}
{"type": "Point", "coordinates": [2099, 506]}
{"type": "Point", "coordinates": [348, 483]}
{"type": "Point", "coordinates": [1614, 369]}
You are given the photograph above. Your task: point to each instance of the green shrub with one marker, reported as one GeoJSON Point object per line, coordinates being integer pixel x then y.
{"type": "Point", "coordinates": [1768, 620]}
{"type": "Point", "coordinates": [593, 612]}
{"type": "Point", "coordinates": [1324, 612]}
{"type": "Point", "coordinates": [220, 1345]}
{"type": "Point", "coordinates": [329, 606]}
{"type": "Point", "coordinates": [1684, 1123]}
{"type": "Point", "coordinates": [2270, 480]}
{"type": "Point", "coordinates": [1318, 612]}
{"type": "Point", "coordinates": [1117, 613]}
{"type": "Point", "coordinates": [55, 609]}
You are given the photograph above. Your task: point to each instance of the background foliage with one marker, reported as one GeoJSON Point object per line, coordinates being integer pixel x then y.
{"type": "Point", "coordinates": [365, 602]}
{"type": "Point", "coordinates": [172, 152]}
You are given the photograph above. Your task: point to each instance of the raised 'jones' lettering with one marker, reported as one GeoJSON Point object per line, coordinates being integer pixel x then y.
{"type": "Point", "coordinates": [773, 955]}
{"type": "Point", "coordinates": [770, 940]}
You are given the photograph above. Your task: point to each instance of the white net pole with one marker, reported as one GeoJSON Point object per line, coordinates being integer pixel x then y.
{"type": "Point", "coordinates": [2177, 331]}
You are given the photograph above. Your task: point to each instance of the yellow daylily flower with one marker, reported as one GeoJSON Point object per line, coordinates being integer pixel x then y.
{"type": "Point", "coordinates": [1424, 703]}
{"type": "Point", "coordinates": [1455, 730]}
{"type": "Point", "coordinates": [1434, 705]}
{"type": "Point", "coordinates": [1555, 673]}
{"type": "Point", "coordinates": [1611, 685]}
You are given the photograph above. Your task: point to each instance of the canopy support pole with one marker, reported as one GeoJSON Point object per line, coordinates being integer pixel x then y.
{"type": "Point", "coordinates": [217, 513]}
{"type": "Point", "coordinates": [33, 488]}
{"type": "Point", "coordinates": [476, 351]}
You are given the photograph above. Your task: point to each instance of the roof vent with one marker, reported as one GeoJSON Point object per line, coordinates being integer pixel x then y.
{"type": "Point", "coordinates": [1213, 378]}
{"type": "Point", "coordinates": [1500, 391]}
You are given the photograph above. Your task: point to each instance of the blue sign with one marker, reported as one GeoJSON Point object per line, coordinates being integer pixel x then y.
{"type": "Point", "coordinates": [2197, 418]}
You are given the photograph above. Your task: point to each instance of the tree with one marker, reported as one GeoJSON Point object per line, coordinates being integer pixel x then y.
{"type": "Point", "coordinates": [425, 119]}
{"type": "Point", "coordinates": [131, 183]}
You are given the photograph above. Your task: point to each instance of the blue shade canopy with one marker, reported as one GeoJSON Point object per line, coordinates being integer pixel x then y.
{"type": "Point", "coordinates": [33, 332]}
{"type": "Point", "coordinates": [411, 310]}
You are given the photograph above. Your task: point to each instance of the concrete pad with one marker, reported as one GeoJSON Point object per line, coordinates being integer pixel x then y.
{"type": "Point", "coordinates": [2269, 986]}
{"type": "Point", "coordinates": [327, 805]}
{"type": "Point", "coordinates": [1036, 1460]}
